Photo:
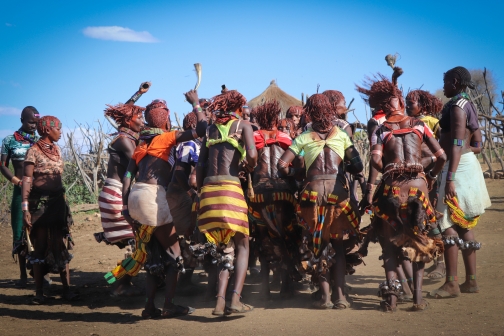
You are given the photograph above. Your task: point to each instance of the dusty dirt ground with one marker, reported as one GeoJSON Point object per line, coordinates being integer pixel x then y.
{"type": "Point", "coordinates": [99, 314]}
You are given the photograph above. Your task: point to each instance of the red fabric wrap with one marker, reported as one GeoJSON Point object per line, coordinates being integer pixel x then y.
{"type": "Point", "coordinates": [280, 138]}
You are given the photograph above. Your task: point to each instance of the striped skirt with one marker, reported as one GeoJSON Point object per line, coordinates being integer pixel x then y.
{"type": "Point", "coordinates": [222, 209]}
{"type": "Point", "coordinates": [115, 227]}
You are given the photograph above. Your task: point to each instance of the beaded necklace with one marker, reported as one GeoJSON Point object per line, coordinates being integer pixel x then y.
{"type": "Point", "coordinates": [21, 135]}
{"type": "Point", "coordinates": [129, 133]}
{"type": "Point", "coordinates": [49, 149]}
{"type": "Point", "coordinates": [460, 95]}
{"type": "Point", "coordinates": [149, 133]}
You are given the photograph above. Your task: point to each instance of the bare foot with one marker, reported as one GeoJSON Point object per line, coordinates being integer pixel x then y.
{"type": "Point", "coordinates": [448, 290]}
{"type": "Point", "coordinates": [439, 272]}
{"type": "Point", "coordinates": [469, 286]}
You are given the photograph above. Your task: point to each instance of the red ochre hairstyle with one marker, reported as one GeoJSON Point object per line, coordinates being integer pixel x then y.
{"type": "Point", "coordinates": [429, 103]}
{"type": "Point", "coordinates": [334, 96]}
{"type": "Point", "coordinates": [292, 110]}
{"type": "Point", "coordinates": [378, 91]}
{"type": "Point", "coordinates": [45, 124]}
{"type": "Point", "coordinates": [228, 101]}
{"type": "Point", "coordinates": [320, 111]}
{"type": "Point", "coordinates": [122, 113]}
{"type": "Point", "coordinates": [266, 115]}
{"type": "Point", "coordinates": [157, 113]}
{"type": "Point", "coordinates": [189, 120]}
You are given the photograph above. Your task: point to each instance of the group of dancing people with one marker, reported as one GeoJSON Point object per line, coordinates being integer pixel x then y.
{"type": "Point", "coordinates": [237, 184]}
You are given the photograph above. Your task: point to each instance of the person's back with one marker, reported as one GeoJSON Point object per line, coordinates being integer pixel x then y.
{"type": "Point", "coordinates": [222, 207]}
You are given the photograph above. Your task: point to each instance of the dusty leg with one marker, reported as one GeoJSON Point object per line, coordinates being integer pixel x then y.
{"type": "Point", "coordinates": [324, 284]}
{"type": "Point", "coordinates": [265, 271]}
{"type": "Point", "coordinates": [406, 282]}
{"type": "Point", "coordinates": [451, 257]}
{"type": "Point", "coordinates": [221, 290]}
{"type": "Point", "coordinates": [242, 254]}
{"type": "Point", "coordinates": [212, 281]}
{"type": "Point", "coordinates": [150, 292]}
{"type": "Point", "coordinates": [418, 269]}
{"type": "Point", "coordinates": [338, 271]}
{"type": "Point", "coordinates": [390, 264]}
{"type": "Point", "coordinates": [469, 256]}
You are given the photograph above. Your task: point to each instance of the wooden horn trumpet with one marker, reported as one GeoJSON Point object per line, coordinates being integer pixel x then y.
{"type": "Point", "coordinates": [197, 67]}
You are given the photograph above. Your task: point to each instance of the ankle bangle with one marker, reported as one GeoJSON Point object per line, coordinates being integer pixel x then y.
{"type": "Point", "coordinates": [451, 278]}
{"type": "Point", "coordinates": [471, 277]}
{"type": "Point", "coordinates": [235, 292]}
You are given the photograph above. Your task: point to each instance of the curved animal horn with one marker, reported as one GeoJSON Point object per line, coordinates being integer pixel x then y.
{"type": "Point", "coordinates": [197, 67]}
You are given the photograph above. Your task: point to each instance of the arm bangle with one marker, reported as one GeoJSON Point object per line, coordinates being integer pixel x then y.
{"type": "Point", "coordinates": [476, 144]}
{"type": "Point", "coordinates": [458, 142]}
{"type": "Point", "coordinates": [27, 179]}
{"type": "Point", "coordinates": [197, 108]}
{"type": "Point", "coordinates": [439, 152]}
{"type": "Point", "coordinates": [282, 163]}
{"type": "Point", "coordinates": [433, 159]}
{"type": "Point", "coordinates": [24, 206]}
{"type": "Point", "coordinates": [434, 177]}
{"type": "Point", "coordinates": [15, 180]}
{"type": "Point", "coordinates": [127, 174]}
{"type": "Point", "coordinates": [377, 152]}
{"type": "Point", "coordinates": [450, 176]}
{"type": "Point", "coordinates": [135, 97]}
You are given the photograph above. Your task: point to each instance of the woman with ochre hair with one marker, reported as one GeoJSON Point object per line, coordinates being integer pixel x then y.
{"type": "Point", "coordinates": [46, 214]}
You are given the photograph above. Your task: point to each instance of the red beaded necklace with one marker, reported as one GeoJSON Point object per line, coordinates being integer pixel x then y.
{"type": "Point", "coordinates": [49, 149]}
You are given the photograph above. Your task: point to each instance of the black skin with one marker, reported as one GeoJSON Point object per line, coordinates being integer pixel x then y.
{"type": "Point", "coordinates": [116, 168]}
{"type": "Point", "coordinates": [28, 125]}
{"type": "Point", "coordinates": [224, 159]}
{"type": "Point", "coordinates": [267, 170]}
{"type": "Point", "coordinates": [451, 88]}
{"type": "Point", "coordinates": [156, 171]}
{"type": "Point", "coordinates": [391, 154]}
{"type": "Point", "coordinates": [48, 182]}
{"type": "Point", "coordinates": [325, 164]}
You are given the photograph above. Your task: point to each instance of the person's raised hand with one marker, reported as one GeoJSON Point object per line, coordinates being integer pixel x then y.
{"type": "Point", "coordinates": [192, 97]}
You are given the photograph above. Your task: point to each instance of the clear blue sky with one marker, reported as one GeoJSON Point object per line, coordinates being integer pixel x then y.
{"type": "Point", "coordinates": [53, 57]}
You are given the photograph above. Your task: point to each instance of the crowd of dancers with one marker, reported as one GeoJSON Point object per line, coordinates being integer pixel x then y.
{"type": "Point", "coordinates": [237, 184]}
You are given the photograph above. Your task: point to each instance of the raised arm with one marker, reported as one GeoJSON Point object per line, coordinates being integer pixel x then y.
{"type": "Point", "coordinates": [144, 87]}
{"type": "Point", "coordinates": [201, 119]}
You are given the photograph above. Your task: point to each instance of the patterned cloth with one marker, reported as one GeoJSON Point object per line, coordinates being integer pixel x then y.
{"type": "Point", "coordinates": [115, 227]}
{"type": "Point", "coordinates": [159, 147]}
{"type": "Point", "coordinates": [50, 211]}
{"type": "Point", "coordinates": [431, 122]}
{"type": "Point", "coordinates": [15, 147]}
{"type": "Point", "coordinates": [132, 265]}
{"type": "Point", "coordinates": [188, 152]}
{"type": "Point", "coordinates": [472, 194]}
{"type": "Point", "coordinates": [222, 209]}
{"type": "Point", "coordinates": [337, 140]}
{"type": "Point", "coordinates": [43, 164]}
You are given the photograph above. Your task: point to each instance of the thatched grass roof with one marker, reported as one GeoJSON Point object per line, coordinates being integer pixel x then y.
{"type": "Point", "coordinates": [273, 92]}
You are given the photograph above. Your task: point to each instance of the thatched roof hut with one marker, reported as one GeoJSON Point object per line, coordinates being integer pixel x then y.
{"type": "Point", "coordinates": [273, 92]}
